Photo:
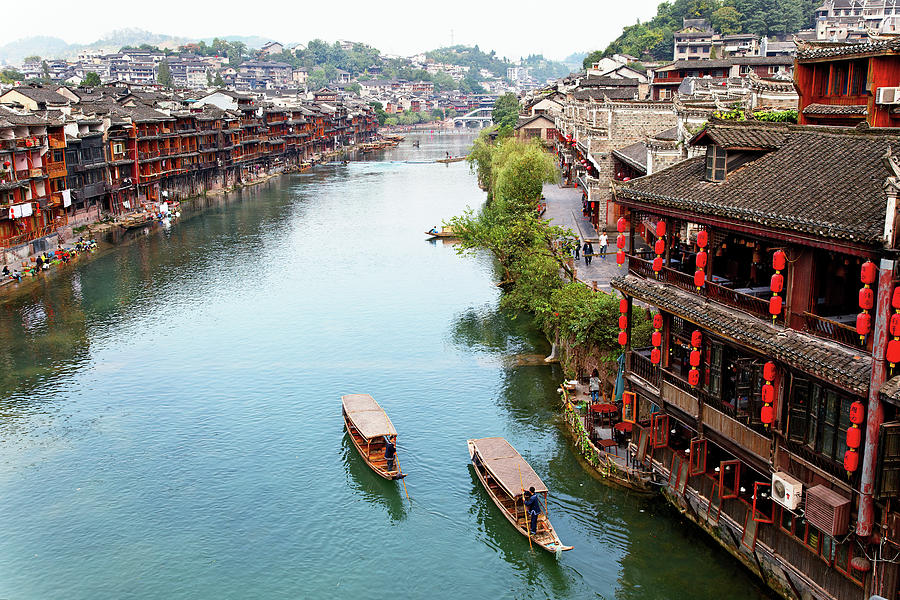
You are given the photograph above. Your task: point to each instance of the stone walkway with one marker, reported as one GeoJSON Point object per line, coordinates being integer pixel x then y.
{"type": "Point", "coordinates": [564, 210]}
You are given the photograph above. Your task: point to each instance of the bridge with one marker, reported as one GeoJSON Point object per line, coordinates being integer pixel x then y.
{"type": "Point", "coordinates": [480, 117]}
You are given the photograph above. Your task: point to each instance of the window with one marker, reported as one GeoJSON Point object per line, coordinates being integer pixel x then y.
{"type": "Point", "coordinates": [819, 418]}
{"type": "Point", "coordinates": [118, 148]}
{"type": "Point", "coordinates": [859, 72]}
{"type": "Point", "coordinates": [715, 163]}
{"type": "Point", "coordinates": [839, 73]}
{"type": "Point", "coordinates": [714, 387]}
{"type": "Point", "coordinates": [889, 461]}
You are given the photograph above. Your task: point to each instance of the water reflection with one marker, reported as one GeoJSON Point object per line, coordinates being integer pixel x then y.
{"type": "Point", "coordinates": [373, 488]}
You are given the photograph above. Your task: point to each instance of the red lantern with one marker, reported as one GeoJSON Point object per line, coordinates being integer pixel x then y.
{"type": "Point", "coordinates": [867, 272]}
{"type": "Point", "coordinates": [779, 260]}
{"type": "Point", "coordinates": [775, 303]}
{"type": "Point", "coordinates": [626, 399]}
{"type": "Point", "coordinates": [695, 358]}
{"type": "Point", "coordinates": [769, 371]}
{"type": "Point", "coordinates": [696, 339]}
{"type": "Point", "coordinates": [857, 412]}
{"type": "Point", "coordinates": [655, 355]}
{"type": "Point", "coordinates": [6, 163]}
{"type": "Point", "coordinates": [623, 338]}
{"type": "Point", "coordinates": [895, 298]}
{"type": "Point", "coordinates": [767, 414]}
{"type": "Point", "coordinates": [893, 352]}
{"type": "Point", "coordinates": [657, 264]}
{"type": "Point", "coordinates": [699, 278]}
{"type": "Point", "coordinates": [701, 259]}
{"type": "Point", "coordinates": [623, 306]}
{"type": "Point", "coordinates": [864, 323]}
{"type": "Point", "coordinates": [851, 460]}
{"type": "Point", "coordinates": [621, 224]}
{"type": "Point", "coordinates": [623, 321]}
{"type": "Point", "coordinates": [854, 437]}
{"type": "Point", "coordinates": [894, 325]}
{"type": "Point", "coordinates": [659, 247]}
{"type": "Point", "coordinates": [620, 242]}
{"type": "Point", "coordinates": [656, 339]}
{"type": "Point", "coordinates": [660, 228]}
{"type": "Point", "coordinates": [768, 393]}
{"type": "Point", "coordinates": [702, 238]}
{"type": "Point", "coordinates": [658, 321]}
{"type": "Point", "coordinates": [620, 258]}
{"type": "Point", "coordinates": [866, 298]}
{"type": "Point", "coordinates": [694, 377]}
{"type": "Point", "coordinates": [777, 283]}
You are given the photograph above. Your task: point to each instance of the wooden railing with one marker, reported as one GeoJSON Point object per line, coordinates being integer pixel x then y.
{"type": "Point", "coordinates": [643, 368]}
{"type": "Point", "coordinates": [751, 304]}
{"type": "Point", "coordinates": [56, 142]}
{"type": "Point", "coordinates": [832, 330]}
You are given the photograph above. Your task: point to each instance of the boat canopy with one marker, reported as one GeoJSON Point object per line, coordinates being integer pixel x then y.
{"type": "Point", "coordinates": [507, 466]}
{"type": "Point", "coordinates": [365, 414]}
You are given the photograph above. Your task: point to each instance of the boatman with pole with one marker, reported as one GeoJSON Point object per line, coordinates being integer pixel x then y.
{"type": "Point", "coordinates": [390, 451]}
{"type": "Point", "coordinates": [533, 506]}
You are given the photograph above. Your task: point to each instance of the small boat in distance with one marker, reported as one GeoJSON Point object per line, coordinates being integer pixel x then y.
{"type": "Point", "coordinates": [445, 232]}
{"type": "Point", "coordinates": [451, 159]}
{"type": "Point", "coordinates": [369, 427]}
{"type": "Point", "coordinates": [505, 476]}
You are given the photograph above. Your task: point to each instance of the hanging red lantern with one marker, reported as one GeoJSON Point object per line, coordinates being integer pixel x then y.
{"type": "Point", "coordinates": [699, 278]}
{"type": "Point", "coordinates": [854, 437]}
{"type": "Point", "coordinates": [851, 460]}
{"type": "Point", "coordinates": [657, 264]}
{"type": "Point", "coordinates": [894, 325]}
{"type": "Point", "coordinates": [660, 228]}
{"type": "Point", "coordinates": [769, 371]}
{"type": "Point", "coordinates": [621, 224]}
{"type": "Point", "coordinates": [696, 338]}
{"type": "Point", "coordinates": [768, 393]}
{"type": "Point", "coordinates": [656, 339]}
{"type": "Point", "coordinates": [701, 259]}
{"type": "Point", "coordinates": [866, 298]}
{"type": "Point", "coordinates": [6, 163]}
{"type": "Point", "coordinates": [893, 352]}
{"type": "Point", "coordinates": [695, 358]}
{"type": "Point", "coordinates": [868, 272]}
{"type": "Point", "coordinates": [658, 321]}
{"type": "Point", "coordinates": [767, 414]}
{"type": "Point", "coordinates": [777, 283]}
{"type": "Point", "coordinates": [659, 247]}
{"type": "Point", "coordinates": [857, 412]}
{"type": "Point", "coordinates": [623, 305]}
{"type": "Point", "coordinates": [895, 298]}
{"type": "Point", "coordinates": [626, 399]}
{"type": "Point", "coordinates": [655, 355]}
{"type": "Point", "coordinates": [620, 242]}
{"type": "Point", "coordinates": [623, 338]}
{"type": "Point", "coordinates": [779, 260]}
{"type": "Point", "coordinates": [864, 324]}
{"type": "Point", "coordinates": [702, 238]}
{"type": "Point", "coordinates": [623, 322]}
{"type": "Point", "coordinates": [775, 303]}
{"type": "Point", "coordinates": [694, 377]}
{"type": "Point", "coordinates": [620, 258]}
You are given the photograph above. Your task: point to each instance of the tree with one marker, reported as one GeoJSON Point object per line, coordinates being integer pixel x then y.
{"type": "Point", "coordinates": [45, 69]}
{"type": "Point", "coordinates": [353, 87]}
{"type": "Point", "coordinates": [218, 81]}
{"type": "Point", "coordinates": [506, 111]}
{"type": "Point", "coordinates": [10, 76]}
{"type": "Point", "coordinates": [438, 114]}
{"type": "Point", "coordinates": [34, 58]}
{"type": "Point", "coordinates": [591, 58]}
{"type": "Point", "coordinates": [91, 79]}
{"type": "Point", "coordinates": [379, 112]}
{"type": "Point", "coordinates": [727, 20]}
{"type": "Point", "coordinates": [391, 121]}
{"type": "Point", "coordinates": [164, 76]}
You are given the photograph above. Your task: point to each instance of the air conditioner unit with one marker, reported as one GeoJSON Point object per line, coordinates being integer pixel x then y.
{"type": "Point", "coordinates": [887, 95]}
{"type": "Point", "coordinates": [786, 490]}
{"type": "Point", "coordinates": [827, 510]}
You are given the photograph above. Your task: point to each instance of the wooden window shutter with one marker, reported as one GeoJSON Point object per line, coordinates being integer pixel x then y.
{"type": "Point", "coordinates": [889, 461]}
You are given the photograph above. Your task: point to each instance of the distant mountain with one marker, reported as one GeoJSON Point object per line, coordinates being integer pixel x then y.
{"type": "Point", "coordinates": [575, 60]}
{"type": "Point", "coordinates": [53, 47]}
{"type": "Point", "coordinates": [252, 41]}
{"type": "Point", "coordinates": [41, 45]}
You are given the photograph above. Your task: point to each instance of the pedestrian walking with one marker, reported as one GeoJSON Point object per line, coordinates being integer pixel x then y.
{"type": "Point", "coordinates": [588, 250]}
{"type": "Point", "coordinates": [594, 386]}
{"type": "Point", "coordinates": [604, 242]}
{"type": "Point", "coordinates": [577, 251]}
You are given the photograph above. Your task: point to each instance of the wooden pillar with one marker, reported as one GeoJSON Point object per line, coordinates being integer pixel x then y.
{"type": "Point", "coordinates": [799, 287]}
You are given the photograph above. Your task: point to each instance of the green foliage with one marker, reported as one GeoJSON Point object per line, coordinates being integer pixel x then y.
{"type": "Point", "coordinates": [10, 76]}
{"type": "Point", "coordinates": [591, 58]}
{"type": "Point", "coordinates": [471, 57]}
{"type": "Point", "coordinates": [164, 76]}
{"type": "Point", "coordinates": [506, 111]}
{"type": "Point", "coordinates": [34, 58]}
{"type": "Point", "coordinates": [218, 81]}
{"type": "Point", "coordinates": [379, 112]}
{"type": "Point", "coordinates": [727, 20]}
{"type": "Point", "coordinates": [391, 121]}
{"type": "Point", "coordinates": [91, 79]}
{"type": "Point", "coordinates": [771, 116]}
{"type": "Point", "coordinates": [353, 87]}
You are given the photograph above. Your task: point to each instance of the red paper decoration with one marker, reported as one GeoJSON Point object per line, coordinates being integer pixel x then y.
{"type": "Point", "coordinates": [660, 228]}
{"type": "Point", "coordinates": [702, 238]}
{"type": "Point", "coordinates": [779, 260]}
{"type": "Point", "coordinates": [620, 242]}
{"type": "Point", "coordinates": [868, 272]}
{"type": "Point", "coordinates": [621, 224]}
{"type": "Point", "coordinates": [767, 414]}
{"type": "Point", "coordinates": [768, 393]}
{"type": "Point", "coordinates": [657, 264]}
{"type": "Point", "coordinates": [769, 371]}
{"type": "Point", "coordinates": [623, 338]}
{"type": "Point", "coordinates": [696, 339]}
{"type": "Point", "coordinates": [851, 460]}
{"type": "Point", "coordinates": [655, 355]}
{"type": "Point", "coordinates": [863, 324]}
{"type": "Point", "coordinates": [775, 304]}
{"type": "Point", "coordinates": [699, 278]}
{"type": "Point", "coordinates": [659, 247]}
{"type": "Point", "coordinates": [777, 283]}
{"type": "Point", "coordinates": [623, 322]}
{"type": "Point", "coordinates": [620, 258]}
{"type": "Point", "coordinates": [656, 338]}
{"type": "Point", "coordinates": [623, 305]}
{"type": "Point", "coordinates": [857, 412]}
{"type": "Point", "coordinates": [658, 321]}
{"type": "Point", "coordinates": [854, 437]}
{"type": "Point", "coordinates": [694, 377]}
{"type": "Point", "coordinates": [695, 358]}
{"type": "Point", "coordinates": [702, 258]}
{"type": "Point", "coordinates": [866, 298]}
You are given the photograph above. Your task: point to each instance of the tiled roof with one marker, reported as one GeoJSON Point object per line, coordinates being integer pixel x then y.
{"type": "Point", "coordinates": [891, 390]}
{"type": "Point", "coordinates": [742, 137]}
{"type": "Point", "coordinates": [634, 155]}
{"type": "Point", "coordinates": [812, 50]}
{"type": "Point", "coordinates": [823, 181]}
{"type": "Point", "coordinates": [840, 365]}
{"type": "Point", "coordinates": [42, 94]}
{"type": "Point", "coordinates": [523, 121]}
{"type": "Point", "coordinates": [669, 135]}
{"type": "Point", "coordinates": [622, 93]}
{"type": "Point", "coordinates": [836, 109]}
{"type": "Point", "coordinates": [608, 82]}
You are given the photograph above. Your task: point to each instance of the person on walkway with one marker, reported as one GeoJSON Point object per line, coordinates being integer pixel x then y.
{"type": "Point", "coordinates": [588, 250]}
{"type": "Point", "coordinates": [533, 506]}
{"type": "Point", "coordinates": [577, 251]}
{"type": "Point", "coordinates": [390, 451]}
{"type": "Point", "coordinates": [604, 242]}
{"type": "Point", "coordinates": [594, 386]}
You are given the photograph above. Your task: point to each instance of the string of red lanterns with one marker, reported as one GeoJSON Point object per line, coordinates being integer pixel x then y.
{"type": "Point", "coordinates": [623, 321]}
{"type": "Point", "coordinates": [767, 413]}
{"type": "Point", "coordinates": [696, 343]}
{"type": "Point", "coordinates": [621, 224]}
{"type": "Point", "coordinates": [656, 339]}
{"type": "Point", "coordinates": [779, 262]}
{"type": "Point", "coordinates": [867, 274]}
{"type": "Point", "coordinates": [702, 258]}
{"type": "Point", "coordinates": [854, 437]}
{"type": "Point", "coordinates": [892, 353]}
{"type": "Point", "coordinates": [660, 246]}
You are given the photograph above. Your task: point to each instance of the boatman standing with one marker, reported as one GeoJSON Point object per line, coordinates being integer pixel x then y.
{"type": "Point", "coordinates": [390, 451]}
{"type": "Point", "coordinates": [533, 506]}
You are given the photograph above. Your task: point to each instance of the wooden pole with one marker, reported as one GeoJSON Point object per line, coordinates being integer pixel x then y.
{"type": "Point", "coordinates": [402, 479]}
{"type": "Point", "coordinates": [525, 510]}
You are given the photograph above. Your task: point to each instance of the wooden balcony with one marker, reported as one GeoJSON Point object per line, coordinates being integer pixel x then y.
{"type": "Point", "coordinates": [56, 142]}
{"type": "Point", "coordinates": [671, 391]}
{"type": "Point", "coordinates": [56, 169]}
{"type": "Point", "coordinates": [832, 330]}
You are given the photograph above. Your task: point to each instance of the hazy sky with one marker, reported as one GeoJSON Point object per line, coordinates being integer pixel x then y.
{"type": "Point", "coordinates": [511, 28]}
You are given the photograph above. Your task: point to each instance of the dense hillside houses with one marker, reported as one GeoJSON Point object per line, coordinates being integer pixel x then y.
{"type": "Point", "coordinates": [68, 156]}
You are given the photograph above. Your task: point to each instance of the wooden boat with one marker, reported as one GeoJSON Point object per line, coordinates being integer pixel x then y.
{"type": "Point", "coordinates": [505, 475]}
{"type": "Point", "coordinates": [368, 425]}
{"type": "Point", "coordinates": [445, 232]}
{"type": "Point", "coordinates": [451, 160]}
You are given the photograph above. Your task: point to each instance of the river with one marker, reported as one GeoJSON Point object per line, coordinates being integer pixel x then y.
{"type": "Point", "coordinates": [170, 420]}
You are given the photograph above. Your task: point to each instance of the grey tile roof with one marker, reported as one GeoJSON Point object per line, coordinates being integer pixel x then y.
{"type": "Point", "coordinates": [830, 361]}
{"type": "Point", "coordinates": [634, 155]}
{"type": "Point", "coordinates": [812, 50]}
{"type": "Point", "coordinates": [836, 109]}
